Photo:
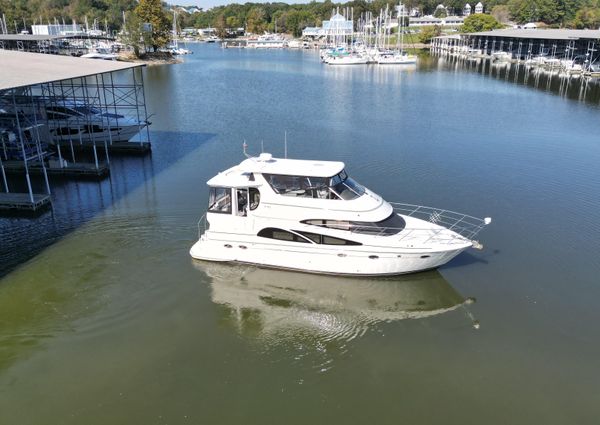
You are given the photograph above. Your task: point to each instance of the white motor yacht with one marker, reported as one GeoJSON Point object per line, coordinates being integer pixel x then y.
{"type": "Point", "coordinates": [311, 216]}
{"type": "Point", "coordinates": [101, 53]}
{"type": "Point", "coordinates": [76, 120]}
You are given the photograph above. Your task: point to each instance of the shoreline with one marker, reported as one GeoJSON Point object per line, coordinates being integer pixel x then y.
{"type": "Point", "coordinates": [151, 59]}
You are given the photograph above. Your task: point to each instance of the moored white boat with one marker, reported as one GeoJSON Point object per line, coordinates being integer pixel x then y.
{"type": "Point", "coordinates": [310, 216]}
{"type": "Point", "coordinates": [395, 58]}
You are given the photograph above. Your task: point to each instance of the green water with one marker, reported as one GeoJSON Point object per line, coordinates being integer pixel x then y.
{"type": "Point", "coordinates": [113, 323]}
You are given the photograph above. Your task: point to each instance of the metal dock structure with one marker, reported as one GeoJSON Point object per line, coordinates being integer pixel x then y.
{"type": "Point", "coordinates": [563, 50]}
{"type": "Point", "coordinates": [62, 116]}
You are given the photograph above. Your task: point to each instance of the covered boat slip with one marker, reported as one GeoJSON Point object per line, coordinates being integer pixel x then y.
{"type": "Point", "coordinates": [109, 116]}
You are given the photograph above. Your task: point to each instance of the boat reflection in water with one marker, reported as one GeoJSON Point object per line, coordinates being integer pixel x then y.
{"type": "Point", "coordinates": [282, 305]}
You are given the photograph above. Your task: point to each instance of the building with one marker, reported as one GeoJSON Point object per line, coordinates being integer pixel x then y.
{"type": "Point", "coordinates": [337, 25]}
{"type": "Point", "coordinates": [73, 29]}
{"type": "Point", "coordinates": [479, 8]}
{"type": "Point", "coordinates": [467, 10]}
{"type": "Point", "coordinates": [448, 21]}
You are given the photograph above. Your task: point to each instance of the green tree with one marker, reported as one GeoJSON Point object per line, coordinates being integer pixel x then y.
{"type": "Point", "coordinates": [256, 20]}
{"type": "Point", "coordinates": [523, 11]}
{"type": "Point", "coordinates": [587, 17]}
{"type": "Point", "coordinates": [232, 22]}
{"type": "Point", "coordinates": [440, 12]}
{"type": "Point", "coordinates": [480, 22]}
{"type": "Point", "coordinates": [133, 34]}
{"type": "Point", "coordinates": [221, 26]}
{"type": "Point", "coordinates": [428, 33]}
{"type": "Point", "coordinates": [501, 13]}
{"type": "Point", "coordinates": [151, 12]}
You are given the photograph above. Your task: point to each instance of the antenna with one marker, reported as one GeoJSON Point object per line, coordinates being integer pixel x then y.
{"type": "Point", "coordinates": [285, 144]}
{"type": "Point", "coordinates": [262, 146]}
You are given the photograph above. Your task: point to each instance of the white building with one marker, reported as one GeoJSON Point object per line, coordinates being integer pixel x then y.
{"type": "Point", "coordinates": [448, 21]}
{"type": "Point", "coordinates": [467, 10]}
{"type": "Point", "coordinates": [479, 8]}
{"type": "Point", "coordinates": [73, 29]}
{"type": "Point", "coordinates": [337, 25]}
{"type": "Point", "coordinates": [401, 10]}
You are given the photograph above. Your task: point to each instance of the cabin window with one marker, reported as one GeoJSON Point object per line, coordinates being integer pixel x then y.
{"type": "Point", "coordinates": [392, 225]}
{"type": "Point", "coordinates": [219, 200]}
{"type": "Point", "coordinates": [280, 234]}
{"type": "Point", "coordinates": [326, 240]}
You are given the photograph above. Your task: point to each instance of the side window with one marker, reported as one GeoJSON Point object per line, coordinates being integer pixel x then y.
{"type": "Point", "coordinates": [219, 200]}
{"type": "Point", "coordinates": [254, 198]}
{"type": "Point", "coordinates": [280, 234]}
{"type": "Point", "coordinates": [327, 240]}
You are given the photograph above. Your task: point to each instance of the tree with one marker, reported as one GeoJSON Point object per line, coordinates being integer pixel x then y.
{"type": "Point", "coordinates": [256, 20]}
{"type": "Point", "coordinates": [480, 22]}
{"type": "Point", "coordinates": [221, 26]}
{"type": "Point", "coordinates": [151, 12]}
{"type": "Point", "coordinates": [232, 22]}
{"type": "Point", "coordinates": [523, 11]}
{"type": "Point", "coordinates": [587, 17]}
{"type": "Point", "coordinates": [440, 12]}
{"type": "Point", "coordinates": [133, 34]}
{"type": "Point", "coordinates": [428, 33]}
{"type": "Point", "coordinates": [501, 13]}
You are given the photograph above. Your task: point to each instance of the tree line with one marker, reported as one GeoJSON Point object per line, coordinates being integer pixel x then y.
{"type": "Point", "coordinates": [292, 18]}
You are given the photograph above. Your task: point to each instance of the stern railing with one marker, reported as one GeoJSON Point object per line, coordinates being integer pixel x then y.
{"type": "Point", "coordinates": [202, 225]}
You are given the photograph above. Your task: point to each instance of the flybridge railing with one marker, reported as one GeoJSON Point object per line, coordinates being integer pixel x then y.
{"type": "Point", "coordinates": [465, 225]}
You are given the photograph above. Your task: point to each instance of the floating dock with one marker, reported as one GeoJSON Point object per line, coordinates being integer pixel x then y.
{"type": "Point", "coordinates": [80, 169]}
{"type": "Point", "coordinates": [24, 202]}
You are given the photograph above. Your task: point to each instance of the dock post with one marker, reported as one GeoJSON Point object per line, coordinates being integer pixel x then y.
{"type": "Point", "coordinates": [38, 144]}
{"type": "Point", "coordinates": [20, 131]}
{"type": "Point", "coordinates": [137, 105]}
{"type": "Point", "coordinates": [4, 180]}
{"type": "Point", "coordinates": [107, 118]}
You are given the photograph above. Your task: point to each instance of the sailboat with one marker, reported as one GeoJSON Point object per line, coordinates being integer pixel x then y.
{"type": "Point", "coordinates": [174, 47]}
{"type": "Point", "coordinates": [397, 56]}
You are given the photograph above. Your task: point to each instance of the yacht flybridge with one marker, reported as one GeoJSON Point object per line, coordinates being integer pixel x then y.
{"type": "Point", "coordinates": [311, 216]}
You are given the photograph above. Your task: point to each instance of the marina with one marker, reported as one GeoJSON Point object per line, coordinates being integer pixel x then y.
{"type": "Point", "coordinates": [62, 116]}
{"type": "Point", "coordinates": [100, 298]}
{"type": "Point", "coordinates": [564, 51]}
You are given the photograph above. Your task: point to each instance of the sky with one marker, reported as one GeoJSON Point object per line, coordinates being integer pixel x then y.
{"type": "Point", "coordinates": [207, 4]}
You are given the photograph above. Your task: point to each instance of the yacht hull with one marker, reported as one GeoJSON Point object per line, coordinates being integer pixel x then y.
{"type": "Point", "coordinates": [366, 261]}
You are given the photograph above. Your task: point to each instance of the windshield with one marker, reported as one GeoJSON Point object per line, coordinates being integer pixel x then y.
{"type": "Point", "coordinates": [339, 186]}
{"type": "Point", "coordinates": [345, 187]}
{"type": "Point", "coordinates": [87, 110]}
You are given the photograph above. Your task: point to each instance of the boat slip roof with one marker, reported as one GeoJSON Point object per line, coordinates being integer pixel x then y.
{"type": "Point", "coordinates": [546, 34]}
{"type": "Point", "coordinates": [20, 69]}
{"type": "Point", "coordinates": [240, 174]}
